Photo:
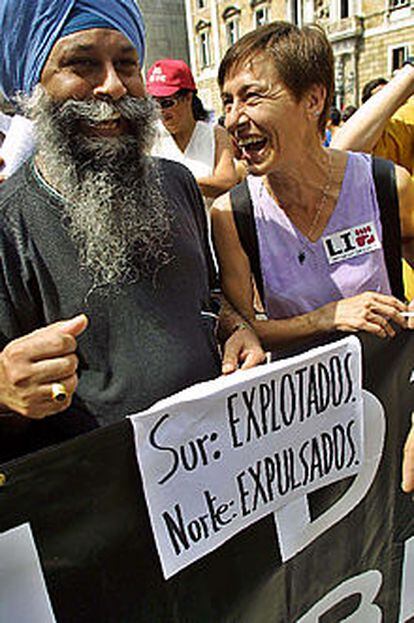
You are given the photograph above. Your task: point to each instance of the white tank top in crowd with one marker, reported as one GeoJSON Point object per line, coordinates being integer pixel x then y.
{"type": "Point", "coordinates": [199, 155]}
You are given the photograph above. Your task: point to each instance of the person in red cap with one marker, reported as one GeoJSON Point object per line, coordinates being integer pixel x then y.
{"type": "Point", "coordinates": [185, 134]}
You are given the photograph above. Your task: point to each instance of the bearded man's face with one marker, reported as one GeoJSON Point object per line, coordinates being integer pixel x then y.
{"type": "Point", "coordinates": [95, 128]}
{"type": "Point", "coordinates": [96, 63]}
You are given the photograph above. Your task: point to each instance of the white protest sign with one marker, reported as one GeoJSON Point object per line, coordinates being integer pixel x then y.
{"type": "Point", "coordinates": [23, 593]}
{"type": "Point", "coordinates": [220, 455]}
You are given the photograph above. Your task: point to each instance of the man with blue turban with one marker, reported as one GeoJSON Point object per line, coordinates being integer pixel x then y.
{"type": "Point", "coordinates": [94, 230]}
{"type": "Point", "coordinates": [29, 30]}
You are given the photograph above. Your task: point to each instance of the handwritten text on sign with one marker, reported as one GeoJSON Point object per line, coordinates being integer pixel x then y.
{"type": "Point", "coordinates": [220, 455]}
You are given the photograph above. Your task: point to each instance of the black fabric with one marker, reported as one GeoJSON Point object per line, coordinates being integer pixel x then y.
{"type": "Point", "coordinates": [386, 189]}
{"type": "Point", "coordinates": [385, 186]}
{"type": "Point", "coordinates": [144, 341]}
{"type": "Point", "coordinates": [87, 512]}
{"type": "Point", "coordinates": [242, 208]}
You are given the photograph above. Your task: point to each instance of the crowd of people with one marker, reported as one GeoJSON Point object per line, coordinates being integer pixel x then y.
{"type": "Point", "coordinates": [108, 287]}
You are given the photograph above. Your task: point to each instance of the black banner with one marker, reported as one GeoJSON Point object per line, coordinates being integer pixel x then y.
{"type": "Point", "coordinates": [88, 515]}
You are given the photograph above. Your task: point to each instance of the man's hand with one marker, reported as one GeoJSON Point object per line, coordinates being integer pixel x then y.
{"type": "Point", "coordinates": [31, 364]}
{"type": "Point", "coordinates": [408, 461]}
{"type": "Point", "coordinates": [242, 349]}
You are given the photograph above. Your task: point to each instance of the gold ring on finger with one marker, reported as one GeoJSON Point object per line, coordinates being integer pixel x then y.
{"type": "Point", "coordinates": [59, 392]}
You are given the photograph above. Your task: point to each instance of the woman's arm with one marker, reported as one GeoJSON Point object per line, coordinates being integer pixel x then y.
{"type": "Point", "coordinates": [362, 131]}
{"type": "Point", "coordinates": [224, 175]}
{"type": "Point", "coordinates": [370, 311]}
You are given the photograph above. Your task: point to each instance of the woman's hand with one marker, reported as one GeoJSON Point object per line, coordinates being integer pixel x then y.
{"type": "Point", "coordinates": [369, 311]}
{"type": "Point", "coordinates": [411, 320]}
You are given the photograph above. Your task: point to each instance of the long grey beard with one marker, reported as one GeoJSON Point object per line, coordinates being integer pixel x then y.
{"type": "Point", "coordinates": [114, 205]}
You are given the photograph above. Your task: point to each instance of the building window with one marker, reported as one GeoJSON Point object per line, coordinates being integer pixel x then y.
{"type": "Point", "coordinates": [231, 18]}
{"type": "Point", "coordinates": [201, 4]}
{"type": "Point", "coordinates": [397, 4]}
{"type": "Point", "coordinates": [204, 47]}
{"type": "Point", "coordinates": [344, 9]}
{"type": "Point", "coordinates": [232, 31]}
{"type": "Point", "coordinates": [398, 56]}
{"type": "Point", "coordinates": [295, 10]}
{"type": "Point", "coordinates": [322, 9]}
{"type": "Point", "coordinates": [260, 16]}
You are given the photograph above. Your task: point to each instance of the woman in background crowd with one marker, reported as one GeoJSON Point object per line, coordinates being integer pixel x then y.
{"type": "Point", "coordinates": [185, 134]}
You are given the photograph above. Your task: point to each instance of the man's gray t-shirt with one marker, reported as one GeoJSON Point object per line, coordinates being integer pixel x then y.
{"type": "Point", "coordinates": [145, 341]}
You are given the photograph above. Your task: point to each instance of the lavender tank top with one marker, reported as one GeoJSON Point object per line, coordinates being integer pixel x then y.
{"type": "Point", "coordinates": [297, 274]}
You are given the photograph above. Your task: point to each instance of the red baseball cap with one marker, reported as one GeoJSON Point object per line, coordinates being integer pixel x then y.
{"type": "Point", "coordinates": [166, 77]}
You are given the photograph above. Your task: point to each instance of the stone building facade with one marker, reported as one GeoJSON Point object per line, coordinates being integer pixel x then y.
{"type": "Point", "coordinates": [166, 30]}
{"type": "Point", "coordinates": [370, 38]}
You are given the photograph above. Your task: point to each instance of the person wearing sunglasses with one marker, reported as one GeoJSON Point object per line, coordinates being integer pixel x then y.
{"type": "Point", "coordinates": [184, 135]}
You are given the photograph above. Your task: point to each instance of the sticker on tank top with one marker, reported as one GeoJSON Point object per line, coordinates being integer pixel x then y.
{"type": "Point", "coordinates": [347, 243]}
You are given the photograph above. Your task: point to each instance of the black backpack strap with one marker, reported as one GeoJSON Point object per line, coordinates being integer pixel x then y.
{"type": "Point", "coordinates": [242, 208]}
{"type": "Point", "coordinates": [386, 189]}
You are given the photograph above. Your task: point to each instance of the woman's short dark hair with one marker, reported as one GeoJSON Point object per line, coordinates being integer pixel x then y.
{"type": "Point", "coordinates": [199, 112]}
{"type": "Point", "coordinates": [369, 87]}
{"type": "Point", "coordinates": [302, 57]}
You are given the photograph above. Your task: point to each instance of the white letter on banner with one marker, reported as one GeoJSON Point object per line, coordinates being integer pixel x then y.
{"type": "Point", "coordinates": [367, 585]}
{"type": "Point", "coordinates": [407, 584]}
{"type": "Point", "coordinates": [23, 592]}
{"type": "Point", "coordinates": [295, 528]}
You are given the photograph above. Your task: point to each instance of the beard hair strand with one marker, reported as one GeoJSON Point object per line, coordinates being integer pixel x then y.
{"type": "Point", "coordinates": [114, 206]}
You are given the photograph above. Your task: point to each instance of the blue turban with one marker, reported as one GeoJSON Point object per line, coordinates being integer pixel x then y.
{"type": "Point", "coordinates": [30, 28]}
